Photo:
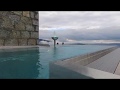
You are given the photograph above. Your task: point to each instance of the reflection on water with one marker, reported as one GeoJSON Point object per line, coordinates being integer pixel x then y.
{"type": "Point", "coordinates": [19, 64]}
{"type": "Point", "coordinates": [34, 63]}
{"type": "Point", "coordinates": [44, 59]}
{"type": "Point", "coordinates": [54, 51]}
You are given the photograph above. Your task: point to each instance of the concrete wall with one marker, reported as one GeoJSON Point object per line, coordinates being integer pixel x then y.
{"type": "Point", "coordinates": [73, 71]}
{"type": "Point", "coordinates": [60, 72]}
{"type": "Point", "coordinates": [18, 28]}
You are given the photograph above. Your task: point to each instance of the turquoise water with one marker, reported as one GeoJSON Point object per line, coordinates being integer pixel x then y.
{"type": "Point", "coordinates": [34, 63]}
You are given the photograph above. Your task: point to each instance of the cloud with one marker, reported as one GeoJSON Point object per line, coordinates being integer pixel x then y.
{"type": "Point", "coordinates": [80, 25]}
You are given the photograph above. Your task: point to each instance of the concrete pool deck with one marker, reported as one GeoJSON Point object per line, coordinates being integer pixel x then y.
{"type": "Point", "coordinates": [108, 63]}
{"type": "Point", "coordinates": [104, 66]}
{"type": "Point", "coordinates": [18, 47]}
{"type": "Point", "coordinates": [13, 47]}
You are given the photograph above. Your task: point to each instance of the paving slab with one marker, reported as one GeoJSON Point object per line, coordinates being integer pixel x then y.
{"type": "Point", "coordinates": [108, 62]}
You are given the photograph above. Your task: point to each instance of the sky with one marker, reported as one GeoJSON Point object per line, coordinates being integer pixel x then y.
{"type": "Point", "coordinates": [80, 26]}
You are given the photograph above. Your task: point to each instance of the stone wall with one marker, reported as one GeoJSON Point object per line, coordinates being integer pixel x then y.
{"type": "Point", "coordinates": [18, 28]}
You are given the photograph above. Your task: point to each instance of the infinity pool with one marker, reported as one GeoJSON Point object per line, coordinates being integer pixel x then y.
{"type": "Point", "coordinates": [33, 63]}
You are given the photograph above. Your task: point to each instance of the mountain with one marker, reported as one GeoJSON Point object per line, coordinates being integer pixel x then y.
{"type": "Point", "coordinates": [76, 44]}
{"type": "Point", "coordinates": [117, 44]}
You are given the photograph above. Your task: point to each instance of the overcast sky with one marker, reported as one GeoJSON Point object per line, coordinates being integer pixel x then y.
{"type": "Point", "coordinates": [80, 26]}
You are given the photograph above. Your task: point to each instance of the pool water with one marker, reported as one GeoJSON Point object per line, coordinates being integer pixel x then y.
{"type": "Point", "coordinates": [34, 63]}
